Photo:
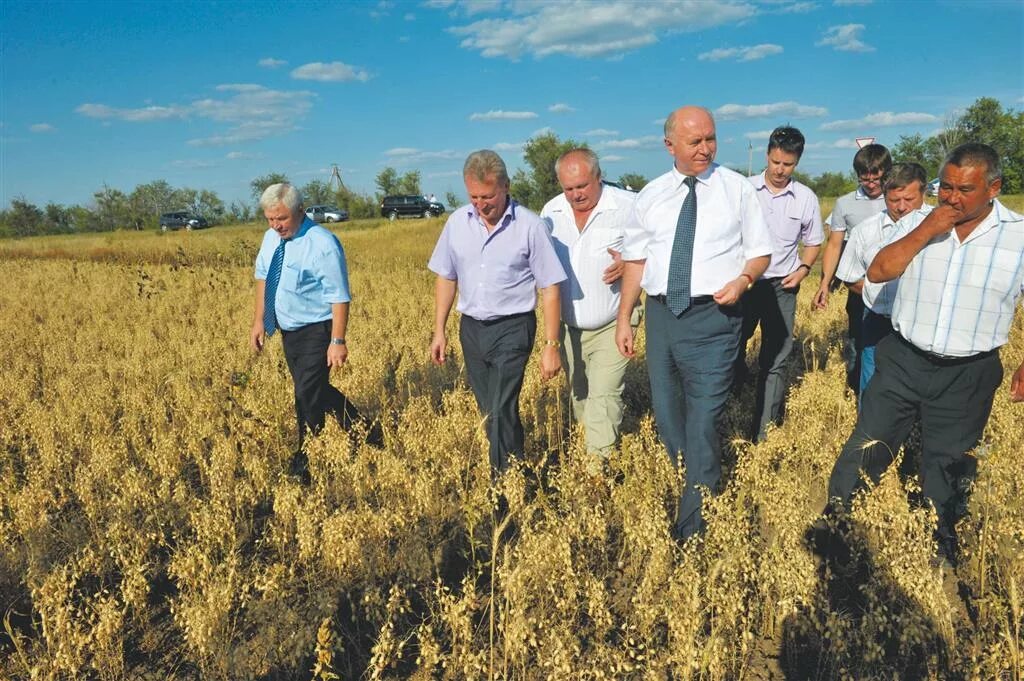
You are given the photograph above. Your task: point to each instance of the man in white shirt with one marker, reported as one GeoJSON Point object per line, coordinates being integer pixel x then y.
{"type": "Point", "coordinates": [903, 189]}
{"type": "Point", "coordinates": [794, 217]}
{"type": "Point", "coordinates": [961, 270]}
{"type": "Point", "coordinates": [870, 164]}
{"type": "Point", "coordinates": [588, 221]}
{"type": "Point", "coordinates": [698, 244]}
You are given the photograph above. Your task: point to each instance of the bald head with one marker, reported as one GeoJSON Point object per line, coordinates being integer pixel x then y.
{"type": "Point", "coordinates": [690, 139]}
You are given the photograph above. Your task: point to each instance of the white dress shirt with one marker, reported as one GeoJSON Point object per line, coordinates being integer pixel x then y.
{"type": "Point", "coordinates": [588, 302]}
{"type": "Point", "coordinates": [731, 229]}
{"type": "Point", "coordinates": [868, 238]}
{"type": "Point", "coordinates": [957, 299]}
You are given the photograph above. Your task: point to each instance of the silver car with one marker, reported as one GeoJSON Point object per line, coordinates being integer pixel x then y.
{"type": "Point", "coordinates": [324, 213]}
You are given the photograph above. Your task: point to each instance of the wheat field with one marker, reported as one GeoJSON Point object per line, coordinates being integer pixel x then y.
{"type": "Point", "coordinates": [150, 529]}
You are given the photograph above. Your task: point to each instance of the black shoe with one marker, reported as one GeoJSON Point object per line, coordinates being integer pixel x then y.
{"type": "Point", "coordinates": [299, 467]}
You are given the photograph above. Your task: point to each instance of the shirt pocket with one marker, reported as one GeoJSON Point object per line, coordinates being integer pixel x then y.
{"type": "Point", "coordinates": [1004, 273]}
{"type": "Point", "coordinates": [600, 240]}
{"type": "Point", "coordinates": [297, 280]}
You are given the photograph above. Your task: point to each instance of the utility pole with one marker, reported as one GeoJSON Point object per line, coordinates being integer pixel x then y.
{"type": "Point", "coordinates": [750, 158]}
{"type": "Point", "coordinates": [335, 175]}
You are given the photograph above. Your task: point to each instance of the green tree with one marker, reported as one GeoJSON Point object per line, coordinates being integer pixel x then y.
{"type": "Point", "coordinates": [58, 219]}
{"type": "Point", "coordinates": [453, 200]}
{"type": "Point", "coordinates": [114, 211]}
{"type": "Point", "coordinates": [261, 183]}
{"type": "Point", "coordinates": [833, 184]}
{"type": "Point", "coordinates": [23, 218]}
{"type": "Point", "coordinates": [240, 211]}
{"type": "Point", "coordinates": [536, 188]}
{"type": "Point", "coordinates": [387, 182]}
{"type": "Point", "coordinates": [985, 121]}
{"type": "Point", "coordinates": [917, 149]}
{"type": "Point", "coordinates": [634, 181]}
{"type": "Point", "coordinates": [317, 192]}
{"type": "Point", "coordinates": [409, 183]}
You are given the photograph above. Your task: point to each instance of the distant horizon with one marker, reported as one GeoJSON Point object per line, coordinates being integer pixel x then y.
{"type": "Point", "coordinates": [213, 95]}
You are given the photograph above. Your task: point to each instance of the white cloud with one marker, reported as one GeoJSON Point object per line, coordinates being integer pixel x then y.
{"type": "Point", "coordinates": [193, 164]}
{"type": "Point", "coordinates": [612, 158]}
{"type": "Point", "coordinates": [836, 144]}
{"type": "Point", "coordinates": [241, 156]}
{"type": "Point", "coordinates": [546, 130]}
{"type": "Point", "coordinates": [271, 63]}
{"type": "Point", "coordinates": [798, 8]}
{"type": "Point", "coordinates": [332, 72]}
{"type": "Point", "coordinates": [444, 173]}
{"type": "Point", "coordinates": [508, 146]}
{"type": "Point", "coordinates": [499, 115]}
{"type": "Point", "coordinates": [730, 112]}
{"type": "Point", "coordinates": [252, 112]}
{"type": "Point", "coordinates": [645, 142]}
{"type": "Point", "coordinates": [438, 4]}
{"type": "Point", "coordinates": [845, 38]}
{"type": "Point", "coordinates": [758, 135]}
{"type": "Point", "coordinates": [881, 120]}
{"type": "Point", "coordinates": [41, 127]}
{"type": "Point", "coordinates": [414, 155]}
{"type": "Point", "coordinates": [409, 16]}
{"type": "Point", "coordinates": [751, 53]}
{"type": "Point", "coordinates": [601, 132]}
{"type": "Point", "coordinates": [842, 3]}
{"type": "Point", "coordinates": [560, 108]}
{"type": "Point", "coordinates": [591, 28]}
{"type": "Point", "coordinates": [141, 115]}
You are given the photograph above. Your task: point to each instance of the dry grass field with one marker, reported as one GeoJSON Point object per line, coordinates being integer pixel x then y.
{"type": "Point", "coordinates": [150, 530]}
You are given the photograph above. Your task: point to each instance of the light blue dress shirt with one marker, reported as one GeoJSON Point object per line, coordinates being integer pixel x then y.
{"type": "Point", "coordinates": [498, 272]}
{"type": "Point", "coordinates": [313, 278]}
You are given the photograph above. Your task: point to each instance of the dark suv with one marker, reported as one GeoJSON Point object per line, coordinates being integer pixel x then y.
{"type": "Point", "coordinates": [182, 218]}
{"type": "Point", "coordinates": [409, 206]}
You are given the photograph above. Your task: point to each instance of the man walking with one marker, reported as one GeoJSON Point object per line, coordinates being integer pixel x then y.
{"type": "Point", "coordinates": [961, 270]}
{"type": "Point", "coordinates": [496, 253]}
{"type": "Point", "coordinates": [870, 164]}
{"type": "Point", "coordinates": [903, 189]}
{"type": "Point", "coordinates": [588, 222]}
{"type": "Point", "coordinates": [302, 289]}
{"type": "Point", "coordinates": [793, 216]}
{"type": "Point", "coordinates": [699, 243]}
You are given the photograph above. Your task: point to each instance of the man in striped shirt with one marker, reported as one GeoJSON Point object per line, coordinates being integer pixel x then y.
{"type": "Point", "coordinates": [961, 270]}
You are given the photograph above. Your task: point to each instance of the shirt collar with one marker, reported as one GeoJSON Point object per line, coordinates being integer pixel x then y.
{"type": "Point", "coordinates": [508, 216]}
{"type": "Point", "coordinates": [860, 195]}
{"type": "Point", "coordinates": [762, 183]}
{"type": "Point", "coordinates": [704, 177]}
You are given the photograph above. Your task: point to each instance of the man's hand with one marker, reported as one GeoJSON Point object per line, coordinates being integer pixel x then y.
{"type": "Point", "coordinates": [794, 278]}
{"type": "Point", "coordinates": [438, 348]}
{"type": "Point", "coordinates": [820, 300]}
{"type": "Point", "coordinates": [625, 334]}
{"type": "Point", "coordinates": [550, 362]}
{"type": "Point", "coordinates": [336, 355]}
{"type": "Point", "coordinates": [1017, 384]}
{"type": "Point", "coordinates": [942, 220]}
{"type": "Point", "coordinates": [613, 272]}
{"type": "Point", "coordinates": [730, 293]}
{"type": "Point", "coordinates": [257, 336]}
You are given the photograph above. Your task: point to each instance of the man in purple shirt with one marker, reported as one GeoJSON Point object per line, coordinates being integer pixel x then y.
{"type": "Point", "coordinates": [793, 216]}
{"type": "Point", "coordinates": [496, 253]}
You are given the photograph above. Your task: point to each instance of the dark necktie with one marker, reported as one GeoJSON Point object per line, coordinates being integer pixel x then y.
{"type": "Point", "coordinates": [270, 291]}
{"type": "Point", "coordinates": [680, 266]}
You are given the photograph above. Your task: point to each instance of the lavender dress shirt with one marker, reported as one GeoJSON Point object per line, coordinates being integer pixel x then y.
{"type": "Point", "coordinates": [498, 272]}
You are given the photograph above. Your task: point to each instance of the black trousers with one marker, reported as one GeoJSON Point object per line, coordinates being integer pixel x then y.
{"type": "Point", "coordinates": [496, 352]}
{"type": "Point", "coordinates": [305, 350]}
{"type": "Point", "coordinates": [953, 400]}
{"type": "Point", "coordinates": [855, 324]}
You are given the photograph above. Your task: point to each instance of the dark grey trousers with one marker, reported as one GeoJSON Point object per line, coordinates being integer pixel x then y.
{"type": "Point", "coordinates": [690, 363]}
{"type": "Point", "coordinates": [953, 400]}
{"type": "Point", "coordinates": [496, 353]}
{"type": "Point", "coordinates": [305, 350]}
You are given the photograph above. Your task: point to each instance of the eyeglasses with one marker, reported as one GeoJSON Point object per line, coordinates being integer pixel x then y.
{"type": "Point", "coordinates": [874, 178]}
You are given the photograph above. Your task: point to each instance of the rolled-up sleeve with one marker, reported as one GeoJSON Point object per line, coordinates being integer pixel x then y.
{"type": "Point", "coordinates": [544, 263]}
{"type": "Point", "coordinates": [441, 261]}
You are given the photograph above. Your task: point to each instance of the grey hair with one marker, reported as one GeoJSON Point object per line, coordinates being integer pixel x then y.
{"type": "Point", "coordinates": [586, 155]}
{"type": "Point", "coordinates": [482, 164]}
{"type": "Point", "coordinates": [284, 194]}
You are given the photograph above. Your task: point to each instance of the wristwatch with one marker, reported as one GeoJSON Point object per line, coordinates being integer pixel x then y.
{"type": "Point", "coordinates": [337, 341]}
{"type": "Point", "coordinates": [749, 278]}
{"type": "Point", "coordinates": [552, 343]}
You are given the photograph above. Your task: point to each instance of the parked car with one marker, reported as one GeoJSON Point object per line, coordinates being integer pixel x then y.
{"type": "Point", "coordinates": [933, 188]}
{"type": "Point", "coordinates": [326, 214]}
{"type": "Point", "coordinates": [182, 218]}
{"type": "Point", "coordinates": [409, 206]}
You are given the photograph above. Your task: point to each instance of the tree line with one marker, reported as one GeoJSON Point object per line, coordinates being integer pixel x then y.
{"type": "Point", "coordinates": [984, 121]}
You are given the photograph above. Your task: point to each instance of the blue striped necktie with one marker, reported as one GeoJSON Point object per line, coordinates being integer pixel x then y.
{"type": "Point", "coordinates": [270, 291]}
{"type": "Point", "coordinates": [680, 266]}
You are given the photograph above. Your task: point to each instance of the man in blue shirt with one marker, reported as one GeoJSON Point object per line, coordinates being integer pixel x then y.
{"type": "Point", "coordinates": [496, 254]}
{"type": "Point", "coordinates": [302, 289]}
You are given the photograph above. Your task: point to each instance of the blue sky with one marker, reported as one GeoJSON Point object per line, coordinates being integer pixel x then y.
{"type": "Point", "coordinates": [213, 94]}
